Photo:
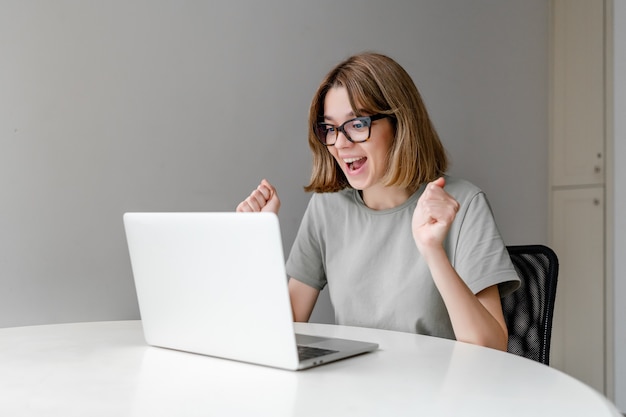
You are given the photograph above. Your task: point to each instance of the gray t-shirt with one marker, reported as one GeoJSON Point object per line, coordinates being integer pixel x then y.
{"type": "Point", "coordinates": [376, 276]}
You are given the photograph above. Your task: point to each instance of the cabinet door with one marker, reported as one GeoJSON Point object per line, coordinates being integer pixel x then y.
{"type": "Point", "coordinates": [578, 240]}
{"type": "Point", "coordinates": [577, 92]}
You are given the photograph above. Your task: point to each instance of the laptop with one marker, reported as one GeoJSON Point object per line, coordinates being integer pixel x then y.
{"type": "Point", "coordinates": [215, 284]}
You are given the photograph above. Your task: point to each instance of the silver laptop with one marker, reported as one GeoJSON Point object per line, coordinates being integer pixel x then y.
{"type": "Point", "coordinates": [215, 284]}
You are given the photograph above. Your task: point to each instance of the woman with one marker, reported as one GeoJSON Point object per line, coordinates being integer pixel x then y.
{"type": "Point", "coordinates": [401, 245]}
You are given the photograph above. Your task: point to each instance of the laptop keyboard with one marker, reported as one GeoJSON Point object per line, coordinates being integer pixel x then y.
{"type": "Point", "coordinates": [309, 352]}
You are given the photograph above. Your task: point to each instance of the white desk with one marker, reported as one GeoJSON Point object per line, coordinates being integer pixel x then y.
{"type": "Point", "coordinates": [105, 369]}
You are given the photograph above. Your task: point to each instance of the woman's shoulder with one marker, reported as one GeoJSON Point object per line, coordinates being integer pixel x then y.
{"type": "Point", "coordinates": [327, 205]}
{"type": "Point", "coordinates": [342, 197]}
{"type": "Point", "coordinates": [461, 189]}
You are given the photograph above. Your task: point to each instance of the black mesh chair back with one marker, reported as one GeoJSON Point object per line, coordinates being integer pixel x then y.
{"type": "Point", "coordinates": [528, 311]}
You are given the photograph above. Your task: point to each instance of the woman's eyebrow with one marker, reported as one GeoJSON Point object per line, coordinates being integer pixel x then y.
{"type": "Point", "coordinates": [348, 116]}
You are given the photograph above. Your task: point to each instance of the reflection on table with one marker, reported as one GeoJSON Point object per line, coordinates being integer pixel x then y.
{"type": "Point", "coordinates": [106, 369]}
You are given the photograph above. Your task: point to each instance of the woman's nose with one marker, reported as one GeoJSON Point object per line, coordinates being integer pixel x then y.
{"type": "Point", "coordinates": [342, 141]}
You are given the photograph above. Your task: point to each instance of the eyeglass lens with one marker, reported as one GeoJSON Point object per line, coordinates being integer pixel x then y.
{"type": "Point", "coordinates": [355, 130]}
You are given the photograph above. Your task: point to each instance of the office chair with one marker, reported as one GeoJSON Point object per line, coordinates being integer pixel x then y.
{"type": "Point", "coordinates": [528, 311]}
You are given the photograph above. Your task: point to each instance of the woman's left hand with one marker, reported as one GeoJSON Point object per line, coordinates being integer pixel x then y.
{"type": "Point", "coordinates": [433, 215]}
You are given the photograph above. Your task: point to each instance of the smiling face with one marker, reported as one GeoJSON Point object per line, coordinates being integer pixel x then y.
{"type": "Point", "coordinates": [374, 84]}
{"type": "Point", "coordinates": [364, 164]}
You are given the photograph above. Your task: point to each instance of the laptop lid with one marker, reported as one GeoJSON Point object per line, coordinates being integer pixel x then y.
{"type": "Point", "coordinates": [215, 284]}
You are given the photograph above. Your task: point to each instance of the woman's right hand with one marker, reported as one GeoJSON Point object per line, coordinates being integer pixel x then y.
{"type": "Point", "coordinates": [264, 198]}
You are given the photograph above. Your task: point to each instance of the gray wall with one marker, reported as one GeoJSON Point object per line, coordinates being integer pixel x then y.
{"type": "Point", "coordinates": [114, 106]}
{"type": "Point", "coordinates": [619, 185]}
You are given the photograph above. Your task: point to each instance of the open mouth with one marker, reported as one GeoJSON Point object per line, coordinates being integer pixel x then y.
{"type": "Point", "coordinates": [355, 163]}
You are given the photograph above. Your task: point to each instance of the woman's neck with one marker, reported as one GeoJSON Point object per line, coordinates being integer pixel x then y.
{"type": "Point", "coordinates": [383, 198]}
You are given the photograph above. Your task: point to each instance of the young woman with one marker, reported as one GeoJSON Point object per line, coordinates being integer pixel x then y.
{"type": "Point", "coordinates": [401, 245]}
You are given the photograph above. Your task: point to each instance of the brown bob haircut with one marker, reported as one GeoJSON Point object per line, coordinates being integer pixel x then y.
{"type": "Point", "coordinates": [378, 84]}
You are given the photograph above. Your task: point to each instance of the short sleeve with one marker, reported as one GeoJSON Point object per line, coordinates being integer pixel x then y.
{"type": "Point", "coordinates": [306, 260]}
{"type": "Point", "coordinates": [481, 258]}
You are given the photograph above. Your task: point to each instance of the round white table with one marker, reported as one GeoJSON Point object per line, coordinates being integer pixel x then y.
{"type": "Point", "coordinates": [106, 369]}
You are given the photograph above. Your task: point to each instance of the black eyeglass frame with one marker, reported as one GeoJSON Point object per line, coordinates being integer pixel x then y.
{"type": "Point", "coordinates": [367, 120]}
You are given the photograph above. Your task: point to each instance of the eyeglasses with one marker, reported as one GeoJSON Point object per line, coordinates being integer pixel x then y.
{"type": "Point", "coordinates": [355, 130]}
